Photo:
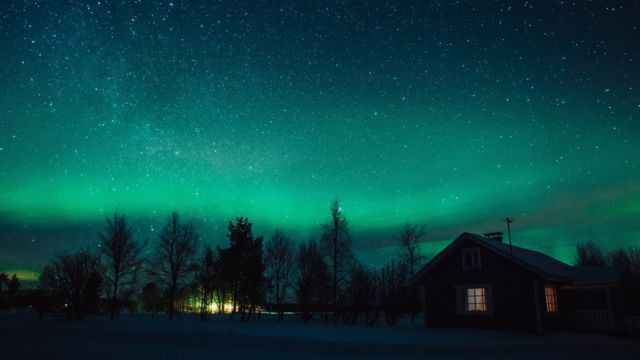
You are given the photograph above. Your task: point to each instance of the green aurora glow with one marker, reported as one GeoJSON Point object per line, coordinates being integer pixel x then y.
{"type": "Point", "coordinates": [450, 115]}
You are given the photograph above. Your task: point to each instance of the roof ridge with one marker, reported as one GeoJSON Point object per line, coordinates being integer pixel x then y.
{"type": "Point", "coordinates": [534, 260]}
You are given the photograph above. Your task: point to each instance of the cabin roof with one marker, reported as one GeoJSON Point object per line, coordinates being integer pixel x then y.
{"type": "Point", "coordinates": [588, 275]}
{"type": "Point", "coordinates": [536, 261]}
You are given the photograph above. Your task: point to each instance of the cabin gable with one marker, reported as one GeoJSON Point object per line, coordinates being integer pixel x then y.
{"type": "Point", "coordinates": [472, 286]}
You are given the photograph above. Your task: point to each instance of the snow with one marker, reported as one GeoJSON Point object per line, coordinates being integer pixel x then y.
{"type": "Point", "coordinates": [141, 337]}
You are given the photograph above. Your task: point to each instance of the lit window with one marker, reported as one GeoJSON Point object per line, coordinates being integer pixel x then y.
{"type": "Point", "coordinates": [471, 258]}
{"type": "Point", "coordinates": [475, 300]}
{"type": "Point", "coordinates": [551, 299]}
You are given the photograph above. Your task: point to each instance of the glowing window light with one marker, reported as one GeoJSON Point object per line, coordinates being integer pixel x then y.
{"type": "Point", "coordinates": [551, 299]}
{"type": "Point", "coordinates": [476, 300]}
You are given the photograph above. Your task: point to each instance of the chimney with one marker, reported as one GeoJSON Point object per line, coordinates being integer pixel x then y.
{"type": "Point", "coordinates": [497, 236]}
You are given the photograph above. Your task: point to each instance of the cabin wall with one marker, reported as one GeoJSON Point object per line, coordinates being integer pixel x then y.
{"type": "Point", "coordinates": [513, 300]}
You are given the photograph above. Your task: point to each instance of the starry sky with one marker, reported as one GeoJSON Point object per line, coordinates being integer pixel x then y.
{"type": "Point", "coordinates": [452, 114]}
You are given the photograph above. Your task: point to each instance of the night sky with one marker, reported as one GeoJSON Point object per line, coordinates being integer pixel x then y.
{"type": "Point", "coordinates": [449, 114]}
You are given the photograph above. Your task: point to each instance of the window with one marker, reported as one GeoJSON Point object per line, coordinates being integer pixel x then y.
{"type": "Point", "coordinates": [551, 299]}
{"type": "Point", "coordinates": [475, 299]}
{"type": "Point", "coordinates": [470, 258]}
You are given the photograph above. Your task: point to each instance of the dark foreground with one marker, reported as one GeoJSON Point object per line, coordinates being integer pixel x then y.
{"type": "Point", "coordinates": [140, 337]}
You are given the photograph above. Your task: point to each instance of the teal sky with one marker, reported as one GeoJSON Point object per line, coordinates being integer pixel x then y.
{"type": "Point", "coordinates": [450, 114]}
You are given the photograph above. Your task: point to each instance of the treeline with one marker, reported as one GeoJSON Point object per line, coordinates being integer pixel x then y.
{"type": "Point", "coordinates": [317, 278]}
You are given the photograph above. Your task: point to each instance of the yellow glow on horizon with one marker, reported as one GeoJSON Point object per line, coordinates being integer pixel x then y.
{"type": "Point", "coordinates": [23, 275]}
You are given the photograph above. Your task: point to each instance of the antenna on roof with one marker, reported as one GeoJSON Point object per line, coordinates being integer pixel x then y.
{"type": "Point", "coordinates": [509, 220]}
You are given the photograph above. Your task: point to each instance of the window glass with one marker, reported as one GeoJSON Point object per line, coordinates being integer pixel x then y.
{"type": "Point", "coordinates": [551, 299]}
{"type": "Point", "coordinates": [471, 258]}
{"type": "Point", "coordinates": [476, 299]}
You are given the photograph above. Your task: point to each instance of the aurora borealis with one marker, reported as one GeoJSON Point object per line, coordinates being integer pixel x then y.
{"type": "Point", "coordinates": [450, 114]}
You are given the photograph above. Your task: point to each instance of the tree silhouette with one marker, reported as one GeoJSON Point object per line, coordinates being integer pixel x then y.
{"type": "Point", "coordinates": [308, 259]}
{"type": "Point", "coordinates": [337, 249]}
{"type": "Point", "coordinates": [186, 294]}
{"type": "Point", "coordinates": [279, 261]}
{"type": "Point", "coordinates": [224, 278]}
{"type": "Point", "coordinates": [409, 239]}
{"type": "Point", "coordinates": [13, 288]}
{"type": "Point", "coordinates": [9, 287]}
{"type": "Point", "coordinates": [256, 284]}
{"type": "Point", "coordinates": [4, 278]}
{"type": "Point", "coordinates": [75, 281]}
{"type": "Point", "coordinates": [174, 258]}
{"type": "Point", "coordinates": [207, 280]}
{"type": "Point", "coordinates": [244, 264]}
{"type": "Point", "coordinates": [123, 257]}
{"type": "Point", "coordinates": [362, 296]}
{"type": "Point", "coordinates": [393, 278]}
{"type": "Point", "coordinates": [589, 254]}
{"type": "Point", "coordinates": [313, 278]}
{"type": "Point", "coordinates": [151, 298]}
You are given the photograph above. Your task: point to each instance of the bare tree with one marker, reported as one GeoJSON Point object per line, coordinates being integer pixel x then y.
{"type": "Point", "coordinates": [174, 257]}
{"type": "Point", "coordinates": [123, 257]}
{"type": "Point", "coordinates": [589, 254]}
{"type": "Point", "coordinates": [410, 238]}
{"type": "Point", "coordinates": [312, 278]}
{"type": "Point", "coordinates": [628, 259]}
{"type": "Point", "coordinates": [362, 296]}
{"type": "Point", "coordinates": [280, 260]}
{"type": "Point", "coordinates": [75, 281]}
{"type": "Point", "coordinates": [337, 248]}
{"type": "Point", "coordinates": [394, 292]}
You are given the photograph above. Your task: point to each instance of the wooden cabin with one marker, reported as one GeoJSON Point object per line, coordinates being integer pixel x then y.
{"type": "Point", "coordinates": [481, 282]}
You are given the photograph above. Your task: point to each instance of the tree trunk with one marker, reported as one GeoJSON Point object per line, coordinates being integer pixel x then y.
{"type": "Point", "coordinates": [114, 298]}
{"type": "Point", "coordinates": [172, 297]}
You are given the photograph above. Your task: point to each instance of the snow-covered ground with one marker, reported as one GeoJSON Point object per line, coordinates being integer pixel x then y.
{"type": "Point", "coordinates": [140, 337]}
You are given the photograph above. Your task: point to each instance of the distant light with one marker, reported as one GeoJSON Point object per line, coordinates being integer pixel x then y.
{"type": "Point", "coordinates": [226, 308]}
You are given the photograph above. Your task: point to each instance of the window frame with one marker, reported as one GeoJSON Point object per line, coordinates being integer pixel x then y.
{"type": "Point", "coordinates": [472, 251]}
{"type": "Point", "coordinates": [461, 299]}
{"type": "Point", "coordinates": [553, 297]}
